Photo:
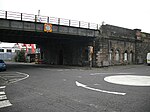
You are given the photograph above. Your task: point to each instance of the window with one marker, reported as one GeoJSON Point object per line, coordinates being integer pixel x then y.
{"type": "Point", "coordinates": [117, 55]}
{"type": "Point", "coordinates": [1, 50]}
{"type": "Point", "coordinates": [110, 54]}
{"type": "Point", "coordinates": [131, 57]}
{"type": "Point", "coordinates": [9, 50]}
{"type": "Point", "coordinates": [125, 56]}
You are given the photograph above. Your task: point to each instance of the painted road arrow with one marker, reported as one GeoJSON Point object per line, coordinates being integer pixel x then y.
{"type": "Point", "coordinates": [98, 90]}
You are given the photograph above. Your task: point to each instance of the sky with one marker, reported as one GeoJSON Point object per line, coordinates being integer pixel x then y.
{"type": "Point", "coordinates": [124, 13]}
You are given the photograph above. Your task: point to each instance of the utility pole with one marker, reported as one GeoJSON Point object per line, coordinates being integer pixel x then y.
{"type": "Point", "coordinates": [38, 16]}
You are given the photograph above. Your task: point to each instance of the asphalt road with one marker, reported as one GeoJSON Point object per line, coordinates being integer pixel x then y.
{"type": "Point", "coordinates": [32, 88]}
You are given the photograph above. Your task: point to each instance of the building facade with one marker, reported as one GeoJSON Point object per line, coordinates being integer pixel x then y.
{"type": "Point", "coordinates": [113, 46]}
{"type": "Point", "coordinates": [120, 46]}
{"type": "Point", "coordinates": [7, 53]}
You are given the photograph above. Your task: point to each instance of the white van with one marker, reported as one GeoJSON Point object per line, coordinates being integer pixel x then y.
{"type": "Point", "coordinates": [148, 58]}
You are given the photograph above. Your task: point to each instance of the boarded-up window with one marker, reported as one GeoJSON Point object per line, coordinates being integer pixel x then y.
{"type": "Point", "coordinates": [117, 55]}
{"type": "Point", "coordinates": [131, 56]}
{"type": "Point", "coordinates": [125, 56]}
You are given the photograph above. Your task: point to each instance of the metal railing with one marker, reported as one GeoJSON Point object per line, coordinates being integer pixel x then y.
{"type": "Point", "coordinates": [47, 19]}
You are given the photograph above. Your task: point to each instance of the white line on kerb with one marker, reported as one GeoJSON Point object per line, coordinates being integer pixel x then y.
{"type": "Point", "coordinates": [99, 90]}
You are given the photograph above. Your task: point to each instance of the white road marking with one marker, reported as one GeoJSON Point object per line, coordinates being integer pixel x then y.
{"type": "Point", "coordinates": [111, 73]}
{"type": "Point", "coordinates": [99, 90]}
{"type": "Point", "coordinates": [2, 87]}
{"type": "Point", "coordinates": [2, 93]}
{"type": "Point", "coordinates": [16, 80]}
{"type": "Point", "coordinates": [3, 97]}
{"type": "Point", "coordinates": [96, 84]}
{"type": "Point", "coordinates": [131, 80]}
{"type": "Point", "coordinates": [5, 103]}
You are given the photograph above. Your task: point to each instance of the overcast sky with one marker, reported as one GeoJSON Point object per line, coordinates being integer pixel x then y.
{"type": "Point", "coordinates": [124, 13]}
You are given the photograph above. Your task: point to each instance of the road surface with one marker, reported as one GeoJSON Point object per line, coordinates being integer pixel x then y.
{"type": "Point", "coordinates": [40, 88]}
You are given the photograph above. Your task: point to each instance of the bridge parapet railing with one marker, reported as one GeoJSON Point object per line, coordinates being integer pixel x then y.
{"type": "Point", "coordinates": [74, 23]}
{"type": "Point", "coordinates": [94, 26]}
{"type": "Point", "coordinates": [47, 19]}
{"type": "Point", "coordinates": [65, 22]}
{"type": "Point", "coordinates": [53, 20]}
{"type": "Point", "coordinates": [28, 17]}
{"type": "Point", "coordinates": [13, 15]}
{"type": "Point", "coordinates": [2, 14]}
{"type": "Point", "coordinates": [84, 24]}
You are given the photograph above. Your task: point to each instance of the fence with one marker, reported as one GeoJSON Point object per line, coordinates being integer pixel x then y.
{"type": "Point", "coordinates": [46, 19]}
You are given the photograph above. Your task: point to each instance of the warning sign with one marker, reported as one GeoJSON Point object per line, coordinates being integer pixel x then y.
{"type": "Point", "coordinates": [48, 27]}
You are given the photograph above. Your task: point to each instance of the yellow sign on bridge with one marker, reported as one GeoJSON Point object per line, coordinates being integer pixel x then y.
{"type": "Point", "coordinates": [48, 27]}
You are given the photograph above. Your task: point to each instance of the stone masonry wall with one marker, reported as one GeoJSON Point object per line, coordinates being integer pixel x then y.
{"type": "Point", "coordinates": [115, 46]}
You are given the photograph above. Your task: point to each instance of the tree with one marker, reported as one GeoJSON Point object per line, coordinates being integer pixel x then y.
{"type": "Point", "coordinates": [20, 57]}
